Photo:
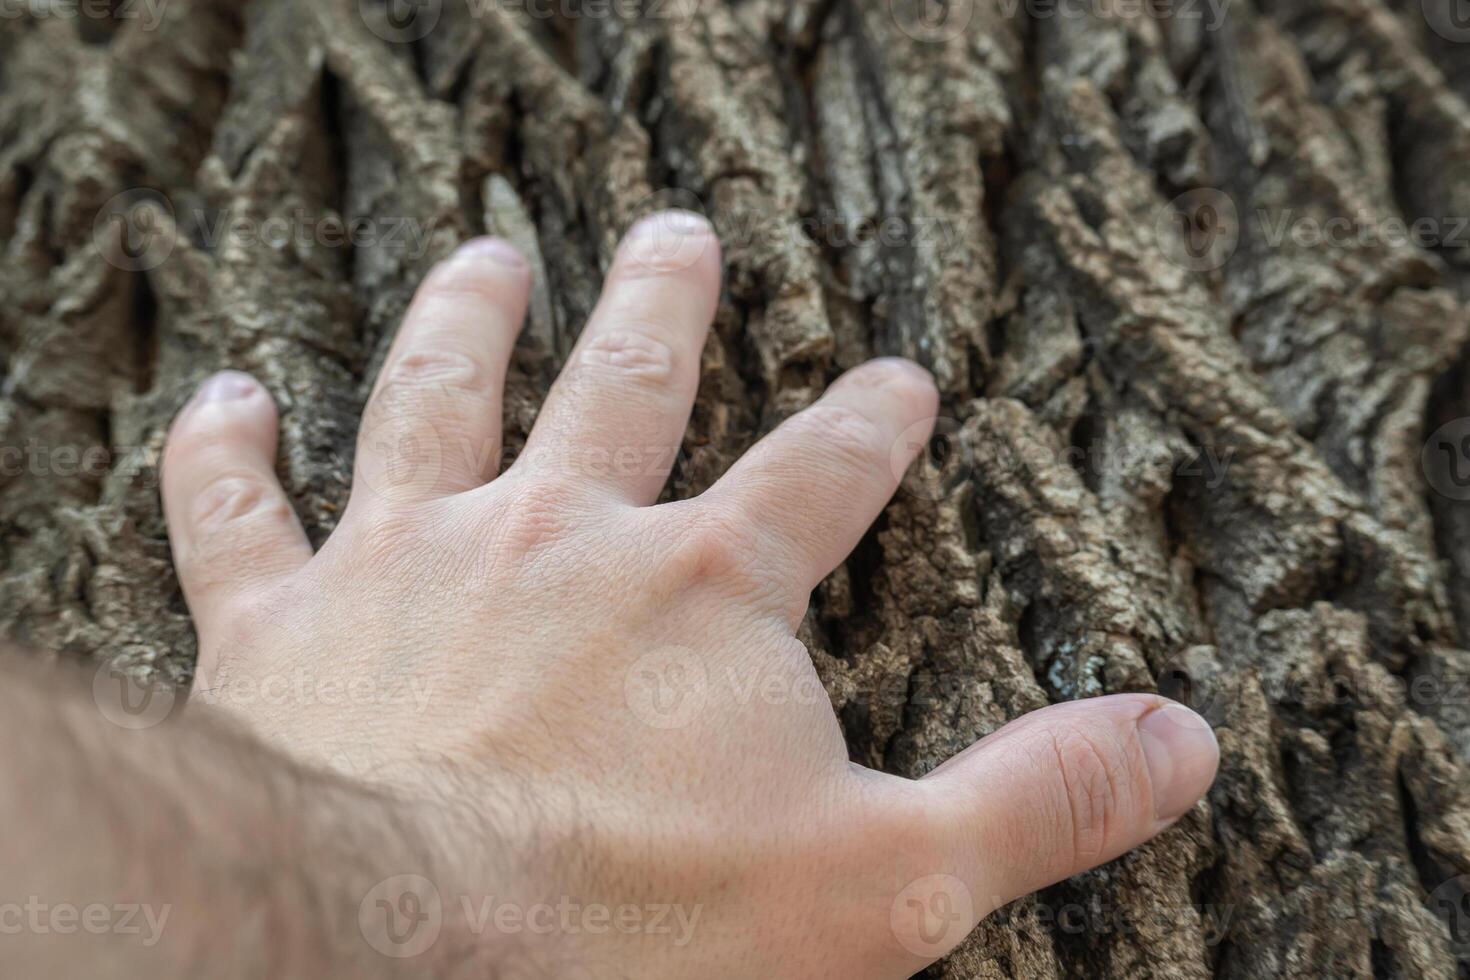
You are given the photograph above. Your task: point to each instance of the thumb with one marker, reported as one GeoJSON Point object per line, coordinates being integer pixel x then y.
{"type": "Point", "coordinates": [1060, 791]}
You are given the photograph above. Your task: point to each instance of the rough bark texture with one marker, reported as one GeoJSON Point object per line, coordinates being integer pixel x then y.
{"type": "Point", "coordinates": [1182, 452]}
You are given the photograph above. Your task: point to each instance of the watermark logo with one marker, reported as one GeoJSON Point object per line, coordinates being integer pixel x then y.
{"type": "Point", "coordinates": [134, 230]}
{"type": "Point", "coordinates": [401, 21]}
{"type": "Point", "coordinates": [932, 915]}
{"type": "Point", "coordinates": [129, 701]}
{"type": "Point", "coordinates": [1199, 230]}
{"type": "Point", "coordinates": [1446, 459]}
{"type": "Point", "coordinates": [1192, 679]}
{"type": "Point", "coordinates": [1450, 19]}
{"type": "Point", "coordinates": [667, 688]}
{"type": "Point", "coordinates": [669, 230]}
{"type": "Point", "coordinates": [932, 21]}
{"type": "Point", "coordinates": [399, 451]}
{"type": "Point", "coordinates": [1452, 901]}
{"type": "Point", "coordinates": [401, 916]}
{"type": "Point", "coordinates": [942, 460]}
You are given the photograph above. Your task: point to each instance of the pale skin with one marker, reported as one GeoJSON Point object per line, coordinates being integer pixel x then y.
{"type": "Point", "coordinates": [550, 691]}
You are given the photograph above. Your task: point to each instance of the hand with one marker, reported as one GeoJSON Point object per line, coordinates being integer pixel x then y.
{"type": "Point", "coordinates": [589, 674]}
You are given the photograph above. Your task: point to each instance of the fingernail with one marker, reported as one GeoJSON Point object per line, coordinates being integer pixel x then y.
{"type": "Point", "coordinates": [226, 386]}
{"type": "Point", "coordinates": [671, 222]}
{"type": "Point", "coordinates": [494, 249]}
{"type": "Point", "coordinates": [1182, 755]}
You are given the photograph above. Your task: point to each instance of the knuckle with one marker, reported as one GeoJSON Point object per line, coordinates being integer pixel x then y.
{"type": "Point", "coordinates": [633, 351]}
{"type": "Point", "coordinates": [715, 548]}
{"type": "Point", "coordinates": [535, 515]}
{"type": "Point", "coordinates": [442, 366]}
{"type": "Point", "coordinates": [241, 615]}
{"type": "Point", "coordinates": [234, 498]}
{"type": "Point", "coordinates": [1091, 780]}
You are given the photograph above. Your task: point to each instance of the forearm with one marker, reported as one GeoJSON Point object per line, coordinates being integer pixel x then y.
{"type": "Point", "coordinates": [190, 850]}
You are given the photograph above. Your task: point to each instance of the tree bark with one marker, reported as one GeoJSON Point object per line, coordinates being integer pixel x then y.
{"type": "Point", "coordinates": [1207, 417]}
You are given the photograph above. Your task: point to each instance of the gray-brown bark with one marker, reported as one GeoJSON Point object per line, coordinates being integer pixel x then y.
{"type": "Point", "coordinates": [1185, 446]}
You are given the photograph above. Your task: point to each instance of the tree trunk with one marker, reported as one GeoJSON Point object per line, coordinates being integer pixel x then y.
{"type": "Point", "coordinates": [1207, 406]}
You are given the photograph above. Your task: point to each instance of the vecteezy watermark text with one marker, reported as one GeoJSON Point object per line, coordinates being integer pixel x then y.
{"type": "Point", "coordinates": [41, 918]}
{"type": "Point", "coordinates": [146, 14]}
{"type": "Point", "coordinates": [301, 688]}
{"type": "Point", "coordinates": [568, 917]}
{"type": "Point", "coordinates": [1211, 12]}
{"type": "Point", "coordinates": [409, 21]}
{"type": "Point", "coordinates": [1201, 230]}
{"type": "Point", "coordinates": [138, 230]}
{"type": "Point", "coordinates": [402, 916]}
